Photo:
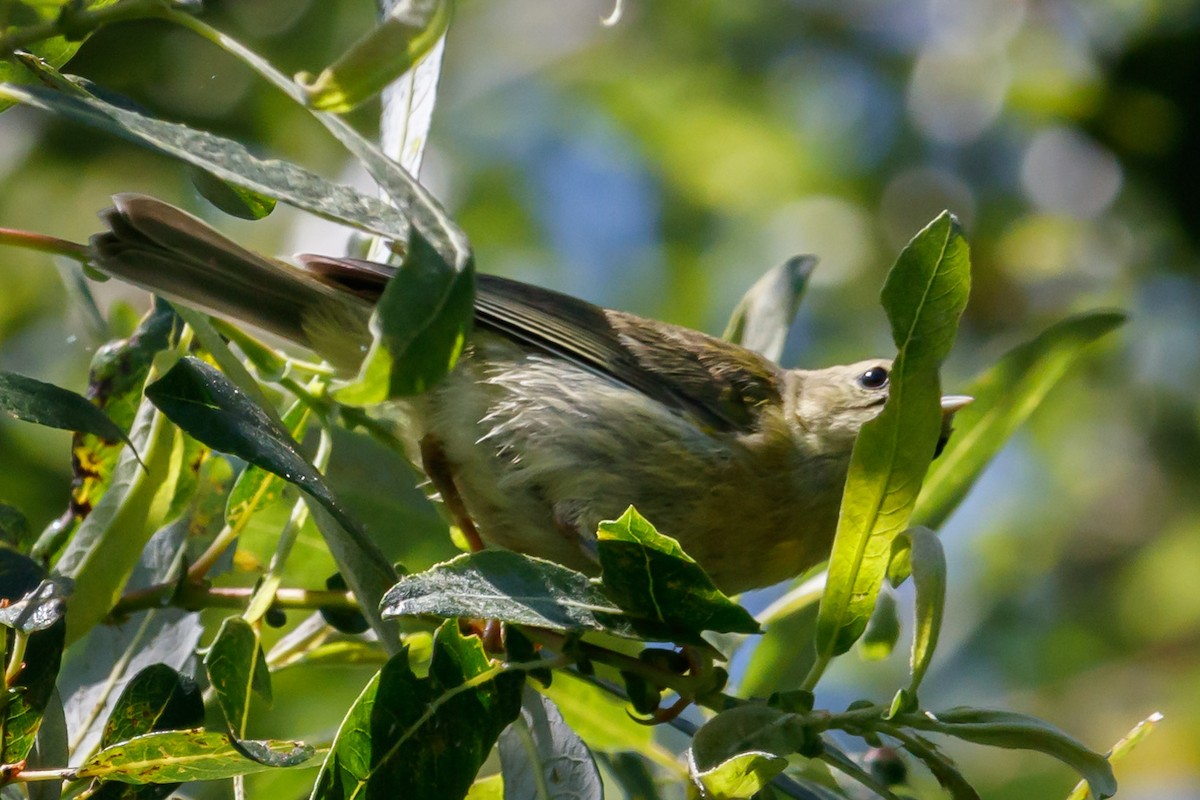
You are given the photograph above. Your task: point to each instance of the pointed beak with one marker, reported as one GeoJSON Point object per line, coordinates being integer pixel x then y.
{"type": "Point", "coordinates": [950, 404]}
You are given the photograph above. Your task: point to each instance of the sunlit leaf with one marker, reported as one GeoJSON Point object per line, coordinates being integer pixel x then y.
{"type": "Point", "coordinates": [540, 756]}
{"type": "Point", "coordinates": [739, 751]}
{"type": "Point", "coordinates": [883, 630]}
{"type": "Point", "coordinates": [234, 200]}
{"type": "Point", "coordinates": [763, 317]}
{"type": "Point", "coordinates": [924, 295]}
{"type": "Point", "coordinates": [422, 738]}
{"type": "Point", "coordinates": [237, 668]}
{"type": "Point", "coordinates": [195, 755]}
{"type": "Point", "coordinates": [1121, 749]}
{"type": "Point", "coordinates": [38, 609]}
{"type": "Point", "coordinates": [929, 575]}
{"type": "Point", "coordinates": [408, 34]}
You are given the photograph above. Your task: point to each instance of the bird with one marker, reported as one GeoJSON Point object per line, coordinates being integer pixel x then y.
{"type": "Point", "coordinates": [559, 414]}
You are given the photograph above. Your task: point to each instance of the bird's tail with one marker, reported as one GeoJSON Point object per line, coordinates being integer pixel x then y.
{"type": "Point", "coordinates": [167, 251]}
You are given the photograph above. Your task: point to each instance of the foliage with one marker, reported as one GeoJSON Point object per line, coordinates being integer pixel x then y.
{"type": "Point", "coordinates": [197, 412]}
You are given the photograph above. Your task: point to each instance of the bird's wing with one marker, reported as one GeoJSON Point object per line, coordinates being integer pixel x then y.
{"type": "Point", "coordinates": [721, 384]}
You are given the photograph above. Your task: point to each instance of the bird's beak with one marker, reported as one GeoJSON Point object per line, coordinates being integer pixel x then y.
{"type": "Point", "coordinates": [950, 404]}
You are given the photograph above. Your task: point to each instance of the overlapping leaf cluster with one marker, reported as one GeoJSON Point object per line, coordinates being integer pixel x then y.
{"type": "Point", "coordinates": [186, 443]}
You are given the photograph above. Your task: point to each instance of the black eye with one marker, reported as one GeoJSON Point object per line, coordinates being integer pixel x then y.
{"type": "Point", "coordinates": [874, 378]}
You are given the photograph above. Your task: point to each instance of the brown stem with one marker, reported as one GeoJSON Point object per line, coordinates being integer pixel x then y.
{"type": "Point", "coordinates": [43, 243]}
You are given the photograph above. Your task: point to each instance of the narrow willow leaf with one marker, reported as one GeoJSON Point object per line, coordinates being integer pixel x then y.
{"type": "Point", "coordinates": [224, 158]}
{"type": "Point", "coordinates": [55, 51]}
{"type": "Point", "coordinates": [422, 738]}
{"type": "Point", "coordinates": [38, 609]}
{"type": "Point", "coordinates": [156, 699]}
{"type": "Point", "coordinates": [236, 669]}
{"type": "Point", "coordinates": [929, 576]}
{"type": "Point", "coordinates": [647, 574]}
{"type": "Point", "coordinates": [210, 408]}
{"type": "Point", "coordinates": [407, 35]}
{"type": "Point", "coordinates": [1005, 396]}
{"type": "Point", "coordinates": [195, 755]}
{"type": "Point", "coordinates": [540, 756]}
{"type": "Point", "coordinates": [883, 630]}
{"type": "Point", "coordinates": [14, 528]}
{"type": "Point", "coordinates": [939, 765]}
{"type": "Point", "coordinates": [924, 296]}
{"type": "Point", "coordinates": [106, 547]}
{"type": "Point", "coordinates": [237, 201]}
{"type": "Point", "coordinates": [765, 313]}
{"type": "Point", "coordinates": [46, 404]}
{"type": "Point", "coordinates": [1121, 749]}
{"type": "Point", "coordinates": [833, 755]}
{"type": "Point", "coordinates": [29, 693]}
{"type": "Point", "coordinates": [1020, 732]}
{"type": "Point", "coordinates": [49, 749]}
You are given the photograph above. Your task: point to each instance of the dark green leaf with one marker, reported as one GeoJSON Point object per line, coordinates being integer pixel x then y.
{"type": "Point", "coordinates": [765, 313]}
{"type": "Point", "coordinates": [54, 407]}
{"type": "Point", "coordinates": [156, 699]}
{"type": "Point", "coordinates": [511, 587]}
{"type": "Point", "coordinates": [1005, 396]}
{"type": "Point", "coordinates": [223, 158]}
{"type": "Point", "coordinates": [204, 403]}
{"type": "Point", "coordinates": [341, 619]}
{"type": "Point", "coordinates": [14, 528]}
{"type": "Point", "coordinates": [600, 719]}
{"type": "Point", "coordinates": [422, 738]}
{"type": "Point", "coordinates": [49, 750]}
{"type": "Point", "coordinates": [236, 668]}
{"type": "Point", "coordinates": [540, 756]}
{"type": "Point", "coordinates": [407, 34]}
{"type": "Point", "coordinates": [38, 609]}
{"type": "Point", "coordinates": [924, 295]}
{"type": "Point", "coordinates": [195, 755]}
{"type": "Point", "coordinates": [833, 756]}
{"type": "Point", "coordinates": [1020, 732]}
{"type": "Point", "coordinates": [231, 198]}
{"type": "Point", "coordinates": [647, 574]}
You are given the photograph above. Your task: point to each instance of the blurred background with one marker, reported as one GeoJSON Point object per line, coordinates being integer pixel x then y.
{"type": "Point", "coordinates": [661, 165]}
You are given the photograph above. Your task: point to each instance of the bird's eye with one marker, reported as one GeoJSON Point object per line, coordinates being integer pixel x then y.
{"type": "Point", "coordinates": [874, 378]}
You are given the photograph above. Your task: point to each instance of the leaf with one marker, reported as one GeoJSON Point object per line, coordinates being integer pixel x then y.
{"type": "Point", "coordinates": [157, 698]}
{"type": "Point", "coordinates": [14, 528]}
{"type": "Point", "coordinates": [739, 751]}
{"type": "Point", "coordinates": [237, 201]}
{"type": "Point", "coordinates": [49, 750]}
{"type": "Point", "coordinates": [832, 755]}
{"type": "Point", "coordinates": [33, 687]}
{"type": "Point", "coordinates": [511, 587]}
{"type": "Point", "coordinates": [1020, 732]}
{"type": "Point", "coordinates": [647, 574]}
{"type": "Point", "coordinates": [236, 668]}
{"type": "Point", "coordinates": [195, 755]}
{"type": "Point", "coordinates": [55, 51]}
{"type": "Point", "coordinates": [601, 721]}
{"type": "Point", "coordinates": [542, 758]}
{"type": "Point", "coordinates": [929, 576]}
{"type": "Point", "coordinates": [46, 404]}
{"type": "Point", "coordinates": [1005, 396]}
{"type": "Point", "coordinates": [224, 158]}
{"type": "Point", "coordinates": [1121, 749]}
{"type": "Point", "coordinates": [765, 313]}
{"type": "Point", "coordinates": [422, 737]}
{"type": "Point", "coordinates": [38, 609]}
{"type": "Point", "coordinates": [408, 34]}
{"type": "Point", "coordinates": [883, 630]}
{"type": "Point", "coordinates": [924, 295]}
{"type": "Point", "coordinates": [204, 403]}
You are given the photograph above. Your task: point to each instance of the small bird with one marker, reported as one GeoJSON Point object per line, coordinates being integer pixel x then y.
{"type": "Point", "coordinates": [559, 414]}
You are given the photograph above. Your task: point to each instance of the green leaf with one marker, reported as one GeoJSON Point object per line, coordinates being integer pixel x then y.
{"type": "Point", "coordinates": [224, 158]}
{"type": "Point", "coordinates": [237, 201]}
{"type": "Point", "coordinates": [55, 51]}
{"type": "Point", "coordinates": [408, 34]}
{"type": "Point", "coordinates": [924, 295]}
{"type": "Point", "coordinates": [422, 737]}
{"type": "Point", "coordinates": [511, 587]}
{"type": "Point", "coordinates": [1020, 732]}
{"type": "Point", "coordinates": [929, 576]}
{"type": "Point", "coordinates": [647, 574]}
{"type": "Point", "coordinates": [541, 757]}
{"type": "Point", "coordinates": [739, 751]}
{"type": "Point", "coordinates": [38, 609]}
{"type": "Point", "coordinates": [46, 404]}
{"type": "Point", "coordinates": [832, 755]}
{"type": "Point", "coordinates": [157, 698]}
{"type": "Point", "coordinates": [883, 630]}
{"type": "Point", "coordinates": [28, 695]}
{"type": "Point", "coordinates": [14, 528]}
{"type": "Point", "coordinates": [765, 313]}
{"type": "Point", "coordinates": [1005, 396]}
{"type": "Point", "coordinates": [237, 668]}
{"type": "Point", "coordinates": [1121, 749]}
{"type": "Point", "coordinates": [601, 720]}
{"type": "Point", "coordinates": [195, 755]}
{"type": "Point", "coordinates": [210, 408]}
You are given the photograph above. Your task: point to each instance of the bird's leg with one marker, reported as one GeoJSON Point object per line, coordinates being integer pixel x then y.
{"type": "Point", "coordinates": [441, 475]}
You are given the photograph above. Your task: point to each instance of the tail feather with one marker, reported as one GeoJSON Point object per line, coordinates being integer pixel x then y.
{"type": "Point", "coordinates": [165, 250]}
